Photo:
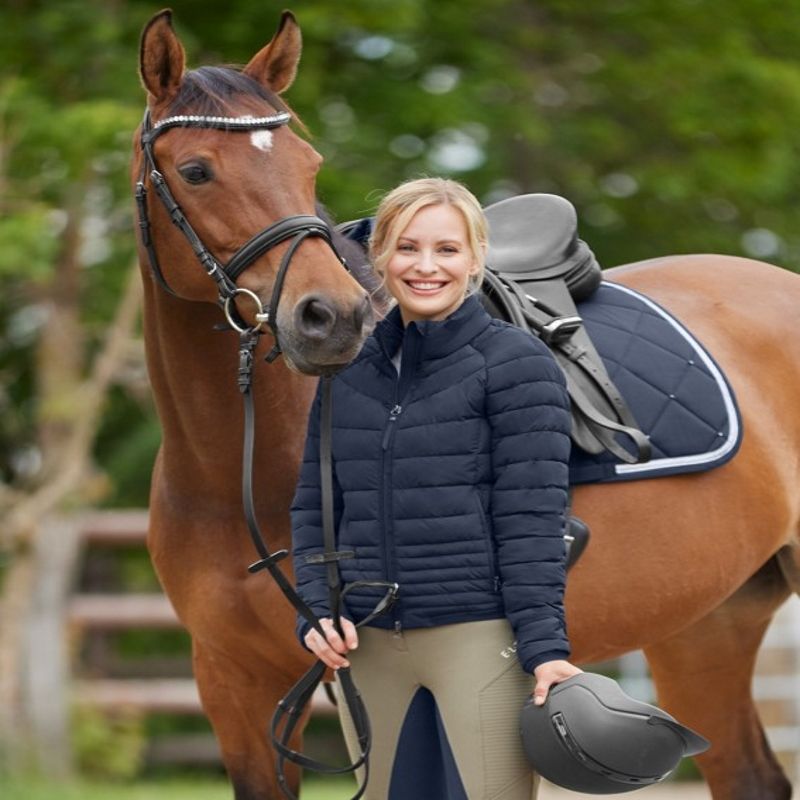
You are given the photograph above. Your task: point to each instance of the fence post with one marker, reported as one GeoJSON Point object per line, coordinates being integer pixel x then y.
{"type": "Point", "coordinates": [777, 686]}
{"type": "Point", "coordinates": [46, 678]}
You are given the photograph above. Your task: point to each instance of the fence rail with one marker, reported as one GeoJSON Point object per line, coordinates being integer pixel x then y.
{"type": "Point", "coordinates": [65, 615]}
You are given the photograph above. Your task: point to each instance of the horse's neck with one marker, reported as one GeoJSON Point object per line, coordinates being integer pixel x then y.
{"type": "Point", "coordinates": [193, 371]}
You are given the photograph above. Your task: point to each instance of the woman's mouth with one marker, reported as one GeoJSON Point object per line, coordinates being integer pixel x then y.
{"type": "Point", "coordinates": [425, 287]}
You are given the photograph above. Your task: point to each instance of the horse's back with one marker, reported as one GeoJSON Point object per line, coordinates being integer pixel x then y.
{"type": "Point", "coordinates": [745, 312]}
{"type": "Point", "coordinates": [747, 315]}
{"type": "Point", "coordinates": [707, 283]}
{"type": "Point", "coordinates": [655, 539]}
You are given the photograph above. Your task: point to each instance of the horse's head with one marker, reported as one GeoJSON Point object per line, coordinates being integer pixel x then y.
{"type": "Point", "coordinates": [238, 183]}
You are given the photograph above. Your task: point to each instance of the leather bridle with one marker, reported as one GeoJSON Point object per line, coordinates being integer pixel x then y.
{"type": "Point", "coordinates": [299, 227]}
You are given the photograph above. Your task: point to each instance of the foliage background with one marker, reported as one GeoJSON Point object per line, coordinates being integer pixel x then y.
{"type": "Point", "coordinates": [671, 126]}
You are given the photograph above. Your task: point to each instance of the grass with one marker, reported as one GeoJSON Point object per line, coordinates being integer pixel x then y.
{"type": "Point", "coordinates": [163, 789]}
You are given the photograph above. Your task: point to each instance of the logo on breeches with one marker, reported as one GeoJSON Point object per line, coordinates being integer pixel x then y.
{"type": "Point", "coordinates": [509, 651]}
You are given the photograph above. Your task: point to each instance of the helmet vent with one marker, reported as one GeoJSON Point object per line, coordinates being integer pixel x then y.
{"type": "Point", "coordinates": [568, 740]}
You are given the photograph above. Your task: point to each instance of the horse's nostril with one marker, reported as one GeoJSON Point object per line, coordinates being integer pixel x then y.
{"type": "Point", "coordinates": [316, 318]}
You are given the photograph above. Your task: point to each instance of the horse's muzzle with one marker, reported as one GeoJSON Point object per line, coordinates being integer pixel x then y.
{"type": "Point", "coordinates": [317, 319]}
{"type": "Point", "coordinates": [322, 335]}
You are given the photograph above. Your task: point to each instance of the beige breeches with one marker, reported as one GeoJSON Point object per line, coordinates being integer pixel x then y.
{"type": "Point", "coordinates": [479, 687]}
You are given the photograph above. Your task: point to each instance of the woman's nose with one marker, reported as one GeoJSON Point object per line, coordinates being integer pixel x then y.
{"type": "Point", "coordinates": [426, 262]}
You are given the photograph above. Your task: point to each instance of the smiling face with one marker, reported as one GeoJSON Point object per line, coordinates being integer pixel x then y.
{"type": "Point", "coordinates": [429, 271]}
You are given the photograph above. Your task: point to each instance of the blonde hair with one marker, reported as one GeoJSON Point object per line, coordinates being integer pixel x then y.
{"type": "Point", "coordinates": [399, 206]}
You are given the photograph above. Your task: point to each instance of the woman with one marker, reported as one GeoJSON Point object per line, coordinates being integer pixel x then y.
{"type": "Point", "coordinates": [450, 446]}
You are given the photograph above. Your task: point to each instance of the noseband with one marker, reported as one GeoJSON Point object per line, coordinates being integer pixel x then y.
{"type": "Point", "coordinates": [298, 227]}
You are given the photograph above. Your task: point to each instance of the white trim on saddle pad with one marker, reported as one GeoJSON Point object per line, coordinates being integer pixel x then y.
{"type": "Point", "coordinates": [681, 462]}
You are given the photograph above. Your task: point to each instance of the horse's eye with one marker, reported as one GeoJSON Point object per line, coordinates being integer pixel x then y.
{"type": "Point", "coordinates": [195, 172]}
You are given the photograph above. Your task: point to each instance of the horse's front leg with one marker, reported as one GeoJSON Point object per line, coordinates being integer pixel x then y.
{"type": "Point", "coordinates": [703, 677]}
{"type": "Point", "coordinates": [239, 695]}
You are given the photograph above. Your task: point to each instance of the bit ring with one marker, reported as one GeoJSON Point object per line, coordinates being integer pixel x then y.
{"type": "Point", "coordinates": [261, 314]}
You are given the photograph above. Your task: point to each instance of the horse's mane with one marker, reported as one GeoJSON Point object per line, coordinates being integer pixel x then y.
{"type": "Point", "coordinates": [211, 91]}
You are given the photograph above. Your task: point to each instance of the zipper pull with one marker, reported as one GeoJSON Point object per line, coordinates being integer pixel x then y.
{"type": "Point", "coordinates": [393, 415]}
{"type": "Point", "coordinates": [398, 628]}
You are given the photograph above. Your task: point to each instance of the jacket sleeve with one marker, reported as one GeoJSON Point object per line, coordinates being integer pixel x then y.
{"type": "Point", "coordinates": [306, 517]}
{"type": "Point", "coordinates": [528, 412]}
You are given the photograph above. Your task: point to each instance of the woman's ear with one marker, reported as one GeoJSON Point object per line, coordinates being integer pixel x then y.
{"type": "Point", "coordinates": [479, 260]}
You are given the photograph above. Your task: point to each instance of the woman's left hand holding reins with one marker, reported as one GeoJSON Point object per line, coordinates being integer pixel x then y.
{"type": "Point", "coordinates": [332, 649]}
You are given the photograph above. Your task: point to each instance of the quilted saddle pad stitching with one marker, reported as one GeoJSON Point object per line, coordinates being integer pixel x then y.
{"type": "Point", "coordinates": [616, 364]}
{"type": "Point", "coordinates": [672, 395]}
{"type": "Point", "coordinates": [650, 342]}
{"type": "Point", "coordinates": [733, 420]}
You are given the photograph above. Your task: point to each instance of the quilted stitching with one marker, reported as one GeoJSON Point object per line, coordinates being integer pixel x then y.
{"type": "Point", "coordinates": [672, 392]}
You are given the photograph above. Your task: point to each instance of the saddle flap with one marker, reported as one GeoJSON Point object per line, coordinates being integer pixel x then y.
{"type": "Point", "coordinates": [532, 233]}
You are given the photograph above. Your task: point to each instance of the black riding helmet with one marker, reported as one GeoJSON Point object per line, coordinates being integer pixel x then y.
{"type": "Point", "coordinates": [589, 736]}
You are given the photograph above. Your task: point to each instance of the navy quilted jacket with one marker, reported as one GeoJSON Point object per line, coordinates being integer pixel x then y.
{"type": "Point", "coordinates": [449, 479]}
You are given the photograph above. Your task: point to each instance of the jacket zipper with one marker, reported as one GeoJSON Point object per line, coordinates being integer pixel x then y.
{"type": "Point", "coordinates": [402, 385]}
{"type": "Point", "coordinates": [386, 500]}
{"type": "Point", "coordinates": [388, 434]}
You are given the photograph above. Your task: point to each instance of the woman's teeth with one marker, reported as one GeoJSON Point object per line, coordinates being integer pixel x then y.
{"type": "Point", "coordinates": [424, 285]}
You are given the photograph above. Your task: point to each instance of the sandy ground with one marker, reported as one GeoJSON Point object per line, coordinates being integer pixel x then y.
{"type": "Point", "coordinates": [668, 791]}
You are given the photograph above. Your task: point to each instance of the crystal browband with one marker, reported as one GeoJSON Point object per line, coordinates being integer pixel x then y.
{"type": "Point", "coordinates": [224, 123]}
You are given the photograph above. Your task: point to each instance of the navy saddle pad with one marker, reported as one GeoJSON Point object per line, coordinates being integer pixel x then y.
{"type": "Point", "coordinates": [677, 393]}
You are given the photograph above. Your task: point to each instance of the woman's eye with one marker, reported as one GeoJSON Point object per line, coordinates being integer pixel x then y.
{"type": "Point", "coordinates": [448, 250]}
{"type": "Point", "coordinates": [405, 248]}
{"type": "Point", "coordinates": [195, 172]}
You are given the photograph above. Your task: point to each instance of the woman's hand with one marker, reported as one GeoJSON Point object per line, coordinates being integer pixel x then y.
{"type": "Point", "coordinates": [332, 649]}
{"type": "Point", "coordinates": [548, 674]}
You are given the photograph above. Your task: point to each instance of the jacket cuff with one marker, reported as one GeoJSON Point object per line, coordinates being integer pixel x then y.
{"type": "Point", "coordinates": [543, 658]}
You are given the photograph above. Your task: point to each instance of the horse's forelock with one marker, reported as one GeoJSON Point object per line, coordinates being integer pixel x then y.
{"type": "Point", "coordinates": [213, 91]}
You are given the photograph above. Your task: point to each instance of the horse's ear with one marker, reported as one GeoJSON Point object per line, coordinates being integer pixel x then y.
{"type": "Point", "coordinates": [275, 65]}
{"type": "Point", "coordinates": [161, 58]}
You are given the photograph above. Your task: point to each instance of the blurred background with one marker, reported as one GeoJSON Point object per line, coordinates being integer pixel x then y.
{"type": "Point", "coordinates": [671, 126]}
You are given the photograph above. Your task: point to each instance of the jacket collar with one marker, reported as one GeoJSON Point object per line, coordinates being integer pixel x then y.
{"type": "Point", "coordinates": [438, 338]}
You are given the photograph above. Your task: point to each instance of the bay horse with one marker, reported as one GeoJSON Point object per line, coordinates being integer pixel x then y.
{"type": "Point", "coordinates": [689, 568]}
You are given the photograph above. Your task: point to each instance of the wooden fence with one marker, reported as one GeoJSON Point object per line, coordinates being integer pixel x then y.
{"type": "Point", "coordinates": [67, 664]}
{"type": "Point", "coordinates": [66, 614]}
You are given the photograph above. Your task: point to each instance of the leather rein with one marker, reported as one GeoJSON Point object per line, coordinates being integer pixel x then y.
{"type": "Point", "coordinates": [291, 709]}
